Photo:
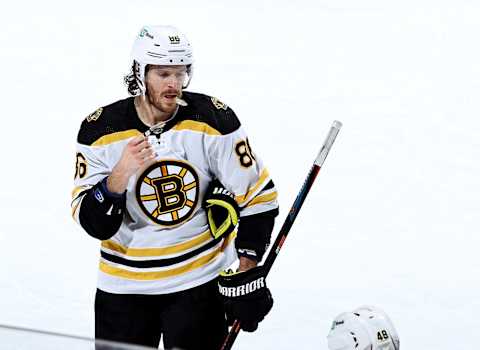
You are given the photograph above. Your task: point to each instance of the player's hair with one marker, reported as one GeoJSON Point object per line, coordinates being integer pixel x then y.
{"type": "Point", "coordinates": [131, 81]}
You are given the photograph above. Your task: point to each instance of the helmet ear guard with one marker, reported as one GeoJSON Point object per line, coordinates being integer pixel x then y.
{"type": "Point", "coordinates": [189, 76]}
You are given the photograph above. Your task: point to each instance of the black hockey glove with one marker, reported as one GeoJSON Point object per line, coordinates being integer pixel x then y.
{"type": "Point", "coordinates": [246, 297]}
{"type": "Point", "coordinates": [222, 209]}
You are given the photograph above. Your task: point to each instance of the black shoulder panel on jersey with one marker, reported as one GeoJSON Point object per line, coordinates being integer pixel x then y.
{"type": "Point", "coordinates": [118, 116]}
{"type": "Point", "coordinates": [209, 110]}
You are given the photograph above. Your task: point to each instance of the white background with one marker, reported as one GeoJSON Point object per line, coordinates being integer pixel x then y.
{"type": "Point", "coordinates": [393, 218]}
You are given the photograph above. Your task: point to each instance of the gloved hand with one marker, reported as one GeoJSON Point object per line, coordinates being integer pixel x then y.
{"type": "Point", "coordinates": [222, 209]}
{"type": "Point", "coordinates": [246, 297]}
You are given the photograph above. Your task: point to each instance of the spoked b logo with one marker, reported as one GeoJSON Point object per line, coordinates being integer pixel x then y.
{"type": "Point", "coordinates": [167, 192]}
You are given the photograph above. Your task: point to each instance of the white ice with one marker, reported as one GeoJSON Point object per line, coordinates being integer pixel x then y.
{"type": "Point", "coordinates": [393, 219]}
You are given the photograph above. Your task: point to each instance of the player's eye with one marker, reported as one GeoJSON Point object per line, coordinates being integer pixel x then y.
{"type": "Point", "coordinates": [180, 75]}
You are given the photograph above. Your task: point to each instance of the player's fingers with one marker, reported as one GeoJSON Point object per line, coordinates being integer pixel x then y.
{"type": "Point", "coordinates": [148, 149]}
{"type": "Point", "coordinates": [144, 153]}
{"type": "Point", "coordinates": [136, 140]}
{"type": "Point", "coordinates": [140, 146]}
{"type": "Point", "coordinates": [150, 159]}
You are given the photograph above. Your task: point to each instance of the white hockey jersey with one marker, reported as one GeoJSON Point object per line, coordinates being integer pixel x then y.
{"type": "Point", "coordinates": [163, 244]}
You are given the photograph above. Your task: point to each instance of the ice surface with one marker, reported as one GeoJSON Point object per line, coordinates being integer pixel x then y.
{"type": "Point", "coordinates": [393, 219]}
{"type": "Point", "coordinates": [33, 339]}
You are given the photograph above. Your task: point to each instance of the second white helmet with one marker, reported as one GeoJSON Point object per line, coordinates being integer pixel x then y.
{"type": "Point", "coordinates": [365, 328]}
{"type": "Point", "coordinates": [160, 45]}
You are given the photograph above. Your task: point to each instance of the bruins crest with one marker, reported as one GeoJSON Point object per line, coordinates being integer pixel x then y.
{"type": "Point", "coordinates": [218, 104]}
{"type": "Point", "coordinates": [95, 115]}
{"type": "Point", "coordinates": [167, 192]}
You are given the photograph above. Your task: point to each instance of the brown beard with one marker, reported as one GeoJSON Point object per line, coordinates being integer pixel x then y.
{"type": "Point", "coordinates": [155, 98]}
{"type": "Point", "coordinates": [156, 102]}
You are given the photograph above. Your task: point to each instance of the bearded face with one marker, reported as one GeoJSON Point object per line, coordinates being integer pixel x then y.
{"type": "Point", "coordinates": [164, 84]}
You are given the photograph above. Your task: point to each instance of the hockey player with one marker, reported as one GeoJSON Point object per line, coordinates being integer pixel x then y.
{"type": "Point", "coordinates": [366, 328]}
{"type": "Point", "coordinates": [168, 182]}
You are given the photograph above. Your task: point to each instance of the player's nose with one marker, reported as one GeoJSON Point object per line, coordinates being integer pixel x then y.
{"type": "Point", "coordinates": [173, 83]}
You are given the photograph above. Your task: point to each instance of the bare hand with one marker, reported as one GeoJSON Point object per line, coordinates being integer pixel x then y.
{"type": "Point", "coordinates": [137, 153]}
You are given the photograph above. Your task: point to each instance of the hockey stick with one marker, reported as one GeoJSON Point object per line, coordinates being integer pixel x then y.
{"type": "Point", "coordinates": [282, 235]}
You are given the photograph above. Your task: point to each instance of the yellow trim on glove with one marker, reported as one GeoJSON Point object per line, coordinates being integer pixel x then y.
{"type": "Point", "coordinates": [232, 219]}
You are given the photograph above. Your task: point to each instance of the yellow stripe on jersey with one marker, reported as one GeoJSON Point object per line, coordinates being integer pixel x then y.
{"type": "Point", "coordinates": [263, 199]}
{"type": "Point", "coordinates": [74, 209]}
{"type": "Point", "coordinates": [79, 189]}
{"type": "Point", "coordinates": [196, 126]}
{"type": "Point", "coordinates": [156, 252]}
{"type": "Point", "coordinates": [75, 206]}
{"type": "Point", "coordinates": [156, 275]}
{"type": "Point", "coordinates": [116, 136]}
{"type": "Point", "coordinates": [118, 272]}
{"type": "Point", "coordinates": [242, 198]}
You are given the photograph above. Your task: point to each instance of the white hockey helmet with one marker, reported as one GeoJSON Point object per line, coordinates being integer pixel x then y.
{"type": "Point", "coordinates": [366, 328]}
{"type": "Point", "coordinates": [160, 45]}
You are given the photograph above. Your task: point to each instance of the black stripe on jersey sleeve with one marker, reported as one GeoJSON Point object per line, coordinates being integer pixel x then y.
{"type": "Point", "coordinates": [159, 262]}
{"type": "Point", "coordinates": [268, 186]}
{"type": "Point", "coordinates": [81, 194]}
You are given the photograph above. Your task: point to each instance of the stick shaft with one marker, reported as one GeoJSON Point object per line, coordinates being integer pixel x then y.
{"type": "Point", "coordinates": [290, 219]}
{"type": "Point", "coordinates": [297, 205]}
